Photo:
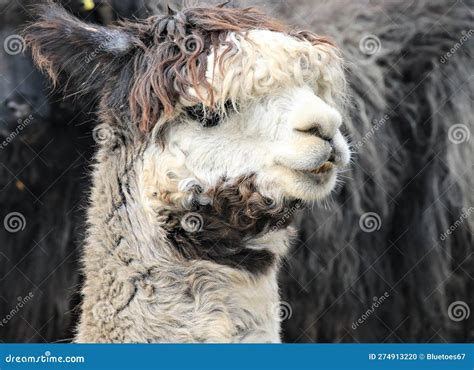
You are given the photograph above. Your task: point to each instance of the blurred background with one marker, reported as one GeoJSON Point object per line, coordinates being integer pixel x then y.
{"type": "Point", "coordinates": [388, 258]}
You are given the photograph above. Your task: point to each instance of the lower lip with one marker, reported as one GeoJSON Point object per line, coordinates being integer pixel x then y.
{"type": "Point", "coordinates": [326, 167]}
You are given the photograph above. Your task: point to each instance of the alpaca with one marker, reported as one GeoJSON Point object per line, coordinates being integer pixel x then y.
{"type": "Point", "coordinates": [334, 269]}
{"type": "Point", "coordinates": [214, 123]}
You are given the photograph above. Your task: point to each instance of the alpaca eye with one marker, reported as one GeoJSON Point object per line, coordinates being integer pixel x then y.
{"type": "Point", "coordinates": [206, 118]}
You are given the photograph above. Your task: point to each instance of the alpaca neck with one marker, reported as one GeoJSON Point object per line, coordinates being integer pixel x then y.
{"type": "Point", "coordinates": [148, 278]}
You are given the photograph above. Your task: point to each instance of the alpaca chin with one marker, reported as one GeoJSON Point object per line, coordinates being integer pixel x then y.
{"type": "Point", "coordinates": [304, 185]}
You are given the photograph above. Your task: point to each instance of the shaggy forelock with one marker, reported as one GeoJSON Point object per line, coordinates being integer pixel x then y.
{"type": "Point", "coordinates": [174, 56]}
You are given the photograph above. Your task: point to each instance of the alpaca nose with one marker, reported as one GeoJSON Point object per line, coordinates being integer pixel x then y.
{"type": "Point", "coordinates": [318, 131]}
{"type": "Point", "coordinates": [319, 119]}
{"type": "Point", "coordinates": [334, 156]}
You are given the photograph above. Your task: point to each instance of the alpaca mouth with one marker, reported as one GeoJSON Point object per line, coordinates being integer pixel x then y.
{"type": "Point", "coordinates": [324, 168]}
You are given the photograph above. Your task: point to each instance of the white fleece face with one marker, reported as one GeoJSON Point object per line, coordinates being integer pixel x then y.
{"type": "Point", "coordinates": [286, 125]}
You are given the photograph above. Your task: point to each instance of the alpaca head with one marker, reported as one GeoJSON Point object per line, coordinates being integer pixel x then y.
{"type": "Point", "coordinates": [218, 94]}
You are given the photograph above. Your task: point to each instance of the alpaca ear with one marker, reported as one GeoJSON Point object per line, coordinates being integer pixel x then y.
{"type": "Point", "coordinates": [85, 55]}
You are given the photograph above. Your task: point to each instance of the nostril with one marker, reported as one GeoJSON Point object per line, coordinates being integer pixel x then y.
{"type": "Point", "coordinates": [332, 157]}
{"type": "Point", "coordinates": [335, 155]}
{"type": "Point", "coordinates": [316, 131]}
